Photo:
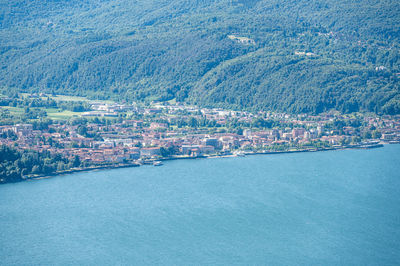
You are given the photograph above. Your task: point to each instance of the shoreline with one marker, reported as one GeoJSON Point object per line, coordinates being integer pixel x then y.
{"type": "Point", "coordinates": [149, 162]}
{"type": "Point", "coordinates": [89, 169]}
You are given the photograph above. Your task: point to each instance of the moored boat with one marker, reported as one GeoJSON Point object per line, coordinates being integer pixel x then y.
{"type": "Point", "coordinates": [240, 154]}
{"type": "Point", "coordinates": [157, 163]}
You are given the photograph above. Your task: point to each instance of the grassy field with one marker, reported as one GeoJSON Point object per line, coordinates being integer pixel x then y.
{"type": "Point", "coordinates": [58, 114]}
{"type": "Point", "coordinates": [173, 101]}
{"type": "Point", "coordinates": [67, 98]}
{"type": "Point", "coordinates": [52, 113]}
{"type": "Point", "coordinates": [13, 110]}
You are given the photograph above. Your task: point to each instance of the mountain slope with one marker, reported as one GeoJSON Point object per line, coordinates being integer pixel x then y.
{"type": "Point", "coordinates": [293, 56]}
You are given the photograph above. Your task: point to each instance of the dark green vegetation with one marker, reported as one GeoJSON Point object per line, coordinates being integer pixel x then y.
{"type": "Point", "coordinates": [16, 165]}
{"type": "Point", "coordinates": [347, 52]}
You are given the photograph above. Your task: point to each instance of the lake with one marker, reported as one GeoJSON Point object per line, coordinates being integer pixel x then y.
{"type": "Point", "coordinates": [324, 208]}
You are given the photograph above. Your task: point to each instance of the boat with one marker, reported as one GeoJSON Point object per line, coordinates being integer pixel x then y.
{"type": "Point", "coordinates": [240, 154]}
{"type": "Point", "coordinates": [157, 163]}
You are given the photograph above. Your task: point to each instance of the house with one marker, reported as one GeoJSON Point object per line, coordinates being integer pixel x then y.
{"type": "Point", "coordinates": [23, 129]}
{"type": "Point", "coordinates": [206, 149]}
{"type": "Point", "coordinates": [152, 111]}
{"type": "Point", "coordinates": [155, 125]}
{"type": "Point", "coordinates": [211, 142]}
{"type": "Point", "coordinates": [247, 133]}
{"type": "Point", "coordinates": [287, 136]}
{"type": "Point", "coordinates": [388, 136]}
{"type": "Point", "coordinates": [187, 149]}
{"type": "Point", "coordinates": [298, 132]}
{"type": "Point", "coordinates": [150, 152]}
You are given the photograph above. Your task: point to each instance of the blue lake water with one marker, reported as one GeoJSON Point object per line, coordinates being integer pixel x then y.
{"type": "Point", "coordinates": [325, 208]}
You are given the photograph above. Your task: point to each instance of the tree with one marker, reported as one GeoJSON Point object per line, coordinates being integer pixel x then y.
{"type": "Point", "coordinates": [164, 152]}
{"type": "Point", "coordinates": [367, 134]}
{"type": "Point", "coordinates": [60, 166]}
{"type": "Point", "coordinates": [376, 134]}
{"type": "Point", "coordinates": [82, 130]}
{"type": "Point", "coordinates": [239, 131]}
{"type": "Point", "coordinates": [35, 169]}
{"type": "Point", "coordinates": [76, 161]}
{"type": "Point", "coordinates": [139, 145]}
{"type": "Point", "coordinates": [193, 122]}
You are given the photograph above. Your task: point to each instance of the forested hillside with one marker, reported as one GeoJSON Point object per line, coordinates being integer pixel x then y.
{"type": "Point", "coordinates": [283, 55]}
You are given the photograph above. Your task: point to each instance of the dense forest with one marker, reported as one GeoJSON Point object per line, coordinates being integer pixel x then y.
{"type": "Point", "coordinates": [283, 55]}
{"type": "Point", "coordinates": [16, 165]}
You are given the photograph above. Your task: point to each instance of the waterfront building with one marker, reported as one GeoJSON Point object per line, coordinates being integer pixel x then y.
{"type": "Point", "coordinates": [388, 136]}
{"type": "Point", "coordinates": [211, 142]}
{"type": "Point", "coordinates": [150, 152]}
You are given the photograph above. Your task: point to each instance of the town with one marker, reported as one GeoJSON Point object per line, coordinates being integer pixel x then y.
{"type": "Point", "coordinates": [109, 134]}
